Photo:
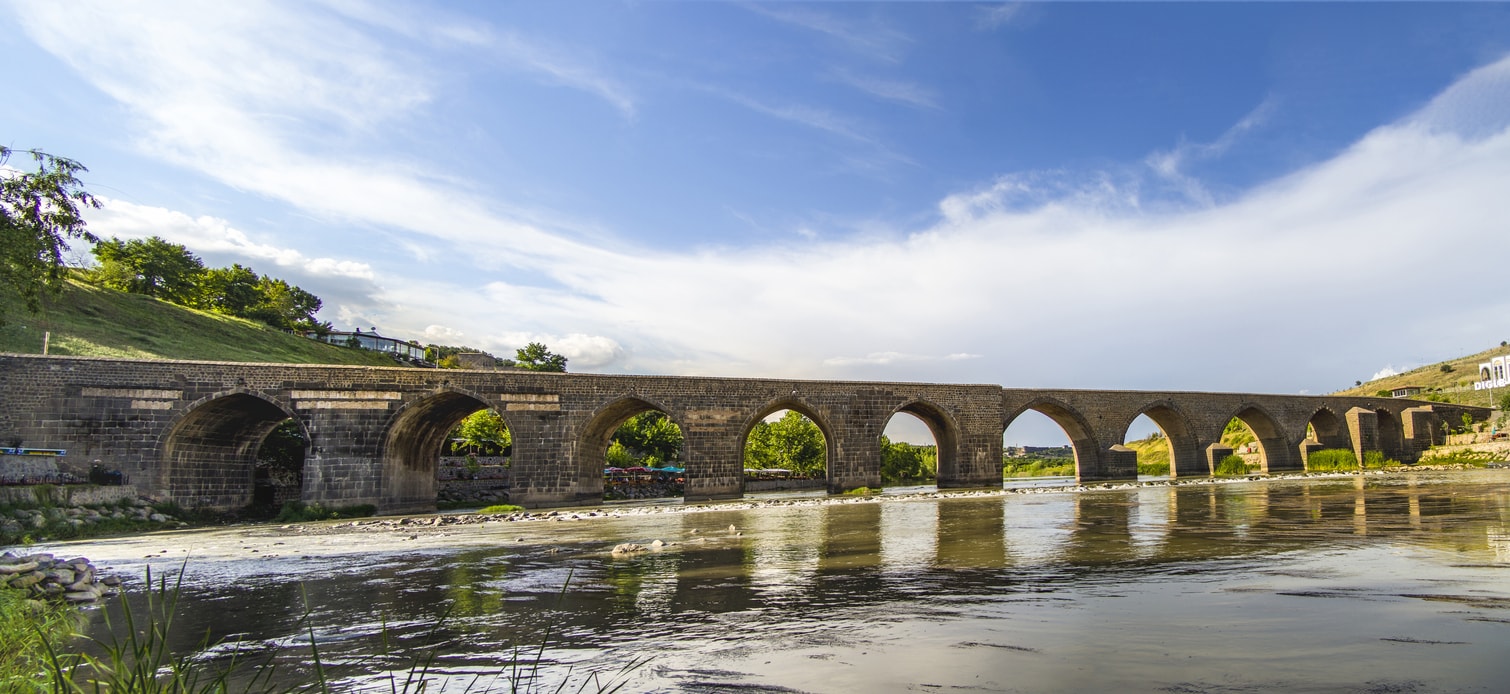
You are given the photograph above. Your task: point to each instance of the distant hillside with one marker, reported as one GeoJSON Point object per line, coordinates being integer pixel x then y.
{"type": "Point", "coordinates": [87, 320]}
{"type": "Point", "coordinates": [1447, 381]}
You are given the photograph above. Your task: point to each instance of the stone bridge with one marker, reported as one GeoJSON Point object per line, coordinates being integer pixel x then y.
{"type": "Point", "coordinates": [188, 431]}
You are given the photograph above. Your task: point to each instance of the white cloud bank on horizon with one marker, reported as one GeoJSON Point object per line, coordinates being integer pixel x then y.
{"type": "Point", "coordinates": [1073, 285]}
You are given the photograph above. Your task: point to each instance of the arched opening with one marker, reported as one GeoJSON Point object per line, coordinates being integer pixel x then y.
{"type": "Point", "coordinates": [210, 454]}
{"type": "Point", "coordinates": [636, 450]}
{"type": "Point", "coordinates": [278, 474]}
{"type": "Point", "coordinates": [1161, 436]}
{"type": "Point", "coordinates": [416, 439]}
{"type": "Point", "coordinates": [910, 450]}
{"type": "Point", "coordinates": [1327, 441]}
{"type": "Point", "coordinates": [788, 448]}
{"type": "Point", "coordinates": [1045, 439]}
{"type": "Point", "coordinates": [1254, 436]}
{"type": "Point", "coordinates": [475, 462]}
{"type": "Point", "coordinates": [1391, 435]}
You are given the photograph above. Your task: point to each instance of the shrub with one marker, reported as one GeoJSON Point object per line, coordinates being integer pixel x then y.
{"type": "Point", "coordinates": [1332, 460]}
{"type": "Point", "coordinates": [1375, 460]}
{"type": "Point", "coordinates": [1153, 469]}
{"type": "Point", "coordinates": [500, 508]}
{"type": "Point", "coordinates": [861, 491]}
{"type": "Point", "coordinates": [1231, 466]}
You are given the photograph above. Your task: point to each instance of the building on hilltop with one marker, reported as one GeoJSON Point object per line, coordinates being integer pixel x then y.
{"type": "Point", "coordinates": [412, 351]}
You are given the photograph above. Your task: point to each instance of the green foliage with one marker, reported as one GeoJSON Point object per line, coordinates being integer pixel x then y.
{"type": "Point", "coordinates": [89, 320]}
{"type": "Point", "coordinates": [29, 630]}
{"type": "Point", "coordinates": [1237, 434]}
{"type": "Point", "coordinates": [1375, 460]}
{"type": "Point", "coordinates": [904, 462]}
{"type": "Point", "coordinates": [650, 439]}
{"type": "Point", "coordinates": [500, 509]}
{"type": "Point", "coordinates": [1504, 402]}
{"type": "Point", "coordinates": [168, 271]}
{"type": "Point", "coordinates": [1446, 368]}
{"type": "Point", "coordinates": [39, 214]}
{"type": "Point", "coordinates": [298, 512]}
{"type": "Point", "coordinates": [1231, 466]}
{"type": "Point", "coordinates": [1464, 457]}
{"type": "Point", "coordinates": [150, 266]}
{"type": "Point", "coordinates": [482, 433]}
{"type": "Point", "coordinates": [1038, 467]}
{"type": "Point", "coordinates": [283, 448]}
{"type": "Point", "coordinates": [1157, 469]}
{"type": "Point", "coordinates": [861, 491]}
{"type": "Point", "coordinates": [793, 443]}
{"type": "Point", "coordinates": [536, 357]}
{"type": "Point", "coordinates": [619, 456]}
{"type": "Point", "coordinates": [1332, 460]}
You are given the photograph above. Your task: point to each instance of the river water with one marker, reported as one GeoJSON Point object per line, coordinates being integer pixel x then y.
{"type": "Point", "coordinates": [1387, 583]}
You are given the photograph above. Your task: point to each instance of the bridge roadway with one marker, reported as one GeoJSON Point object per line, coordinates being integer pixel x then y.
{"type": "Point", "coordinates": [188, 431]}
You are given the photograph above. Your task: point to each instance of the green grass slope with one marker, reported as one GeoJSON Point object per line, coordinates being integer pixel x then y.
{"type": "Point", "coordinates": [1452, 384]}
{"type": "Point", "coordinates": [86, 320]}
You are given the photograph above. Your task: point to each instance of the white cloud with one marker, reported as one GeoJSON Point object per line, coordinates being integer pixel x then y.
{"type": "Point", "coordinates": [562, 66]}
{"type": "Point", "coordinates": [1385, 372]}
{"type": "Point", "coordinates": [1055, 278]}
{"type": "Point", "coordinates": [207, 235]}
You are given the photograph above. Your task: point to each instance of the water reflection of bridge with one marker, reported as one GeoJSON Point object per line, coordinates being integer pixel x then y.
{"type": "Point", "coordinates": [189, 431]}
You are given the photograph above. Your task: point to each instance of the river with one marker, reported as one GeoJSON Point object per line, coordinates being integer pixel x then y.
{"type": "Point", "coordinates": [1387, 583]}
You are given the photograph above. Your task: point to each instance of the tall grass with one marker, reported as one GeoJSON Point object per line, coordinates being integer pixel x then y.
{"type": "Point", "coordinates": [1231, 466]}
{"type": "Point", "coordinates": [1043, 467]}
{"type": "Point", "coordinates": [29, 631]}
{"type": "Point", "coordinates": [1332, 460]}
{"type": "Point", "coordinates": [137, 660]}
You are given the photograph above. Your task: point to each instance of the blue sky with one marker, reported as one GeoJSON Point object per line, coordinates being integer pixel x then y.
{"type": "Point", "coordinates": [1187, 196]}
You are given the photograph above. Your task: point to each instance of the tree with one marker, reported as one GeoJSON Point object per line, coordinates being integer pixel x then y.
{"type": "Point", "coordinates": [902, 461]}
{"type": "Point", "coordinates": [793, 443]}
{"type": "Point", "coordinates": [39, 214]}
{"type": "Point", "coordinates": [482, 432]}
{"type": "Point", "coordinates": [1505, 402]}
{"type": "Point", "coordinates": [536, 357]}
{"type": "Point", "coordinates": [230, 290]}
{"type": "Point", "coordinates": [651, 438]}
{"type": "Point", "coordinates": [150, 266]}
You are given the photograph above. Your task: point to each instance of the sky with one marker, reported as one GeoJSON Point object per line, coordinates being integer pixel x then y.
{"type": "Point", "coordinates": [1262, 197]}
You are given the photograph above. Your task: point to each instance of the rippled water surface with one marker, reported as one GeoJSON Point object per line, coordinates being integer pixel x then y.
{"type": "Point", "coordinates": [1386, 583]}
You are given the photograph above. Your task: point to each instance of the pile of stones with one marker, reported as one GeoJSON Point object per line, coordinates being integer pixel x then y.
{"type": "Point", "coordinates": [45, 576]}
{"type": "Point", "coordinates": [27, 520]}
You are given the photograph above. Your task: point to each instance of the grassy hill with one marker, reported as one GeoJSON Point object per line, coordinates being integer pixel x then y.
{"type": "Point", "coordinates": [1447, 381]}
{"type": "Point", "coordinates": [86, 320]}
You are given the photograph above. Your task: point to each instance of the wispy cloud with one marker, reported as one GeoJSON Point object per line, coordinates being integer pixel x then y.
{"type": "Point", "coordinates": [1170, 164]}
{"type": "Point", "coordinates": [872, 39]}
{"type": "Point", "coordinates": [899, 91]}
{"type": "Point", "coordinates": [999, 14]}
{"type": "Point", "coordinates": [565, 67]}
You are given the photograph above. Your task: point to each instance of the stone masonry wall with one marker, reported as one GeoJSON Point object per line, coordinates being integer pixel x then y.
{"type": "Point", "coordinates": [188, 431]}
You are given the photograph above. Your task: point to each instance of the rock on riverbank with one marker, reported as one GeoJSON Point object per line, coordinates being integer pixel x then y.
{"type": "Point", "coordinates": [45, 576]}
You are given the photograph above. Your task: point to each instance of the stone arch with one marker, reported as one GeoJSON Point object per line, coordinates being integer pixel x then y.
{"type": "Point", "coordinates": [1082, 436]}
{"type": "Point", "coordinates": [413, 440]}
{"type": "Point", "coordinates": [1391, 435]}
{"type": "Point", "coordinates": [1330, 429]}
{"type": "Point", "coordinates": [1185, 457]}
{"type": "Point", "coordinates": [945, 430]}
{"type": "Point", "coordinates": [594, 438]}
{"type": "Point", "coordinates": [1273, 449]}
{"type": "Point", "coordinates": [209, 451]}
{"type": "Point", "coordinates": [796, 404]}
